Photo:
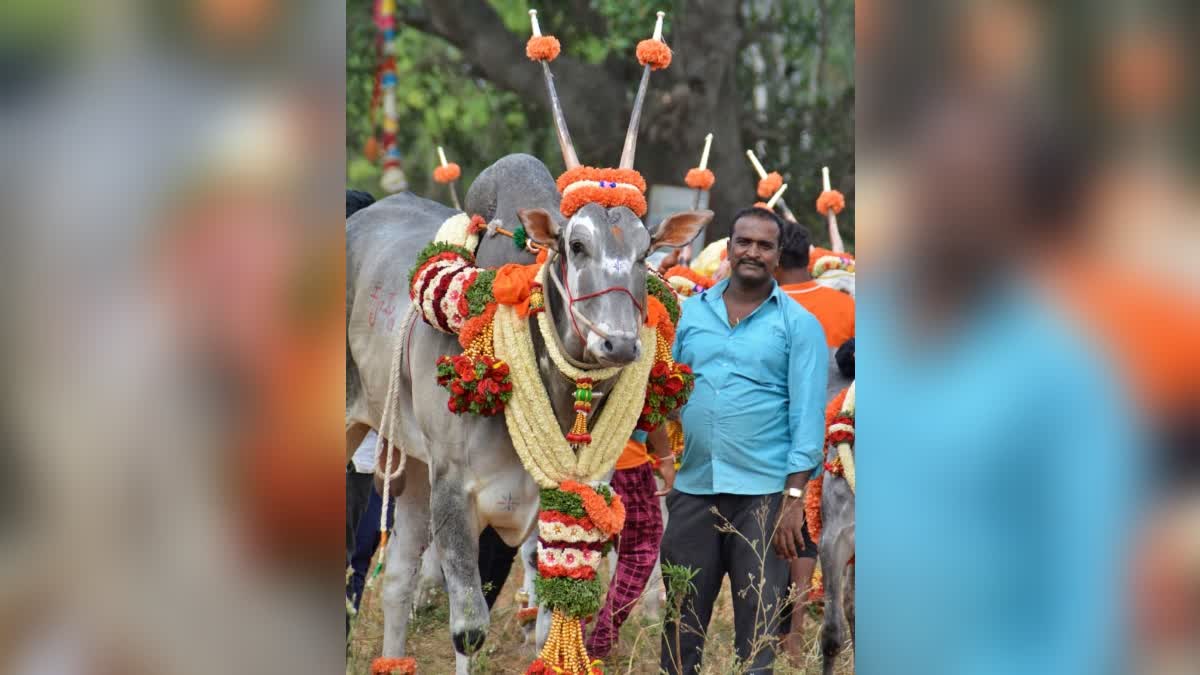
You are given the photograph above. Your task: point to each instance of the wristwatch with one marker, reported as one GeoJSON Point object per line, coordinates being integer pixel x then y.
{"type": "Point", "coordinates": [794, 493]}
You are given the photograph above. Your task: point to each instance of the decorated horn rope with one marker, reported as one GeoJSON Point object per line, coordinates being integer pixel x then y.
{"type": "Point", "coordinates": [829, 204]}
{"type": "Point", "coordinates": [769, 185]}
{"type": "Point", "coordinates": [701, 178]}
{"type": "Point", "coordinates": [448, 173]}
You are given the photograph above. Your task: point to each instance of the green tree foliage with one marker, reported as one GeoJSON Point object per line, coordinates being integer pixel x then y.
{"type": "Point", "coordinates": [794, 102]}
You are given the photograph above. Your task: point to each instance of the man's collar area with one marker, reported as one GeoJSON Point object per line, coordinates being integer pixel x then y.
{"type": "Point", "coordinates": [717, 292]}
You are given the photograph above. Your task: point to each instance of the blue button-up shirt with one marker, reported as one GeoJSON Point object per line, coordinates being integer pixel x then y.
{"type": "Point", "coordinates": [757, 413]}
{"type": "Point", "coordinates": [1001, 482]}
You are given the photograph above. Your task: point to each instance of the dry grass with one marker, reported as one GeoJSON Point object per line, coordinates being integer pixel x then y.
{"type": "Point", "coordinates": [505, 652]}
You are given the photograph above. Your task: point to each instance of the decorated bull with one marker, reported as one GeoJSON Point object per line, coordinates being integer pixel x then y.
{"type": "Point", "coordinates": [513, 390]}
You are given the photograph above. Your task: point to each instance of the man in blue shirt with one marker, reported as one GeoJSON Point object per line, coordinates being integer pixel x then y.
{"type": "Point", "coordinates": [999, 452]}
{"type": "Point", "coordinates": [753, 428]}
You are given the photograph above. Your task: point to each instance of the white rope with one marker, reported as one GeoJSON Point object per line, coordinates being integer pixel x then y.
{"type": "Point", "coordinates": [387, 421]}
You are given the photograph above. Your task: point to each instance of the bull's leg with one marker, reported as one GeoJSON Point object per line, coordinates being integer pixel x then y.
{"type": "Point", "coordinates": [831, 628]}
{"type": "Point", "coordinates": [848, 603]}
{"type": "Point", "coordinates": [408, 541]}
{"type": "Point", "coordinates": [430, 580]}
{"type": "Point", "coordinates": [456, 533]}
{"type": "Point", "coordinates": [528, 556]}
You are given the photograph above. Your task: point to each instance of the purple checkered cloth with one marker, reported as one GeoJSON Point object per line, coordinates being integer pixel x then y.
{"type": "Point", "coordinates": [637, 553]}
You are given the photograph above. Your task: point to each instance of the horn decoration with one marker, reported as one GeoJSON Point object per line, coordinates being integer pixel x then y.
{"type": "Point", "coordinates": [653, 54]}
{"type": "Point", "coordinates": [448, 172]}
{"type": "Point", "coordinates": [701, 178]}
{"type": "Point", "coordinates": [581, 185]}
{"type": "Point", "coordinates": [829, 204]}
{"type": "Point", "coordinates": [543, 49]}
{"type": "Point", "coordinates": [768, 184]}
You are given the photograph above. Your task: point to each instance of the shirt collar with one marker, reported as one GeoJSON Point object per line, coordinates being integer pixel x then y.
{"type": "Point", "coordinates": [716, 293]}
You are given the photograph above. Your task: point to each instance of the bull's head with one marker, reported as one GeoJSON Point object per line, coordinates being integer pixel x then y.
{"type": "Point", "coordinates": [596, 278]}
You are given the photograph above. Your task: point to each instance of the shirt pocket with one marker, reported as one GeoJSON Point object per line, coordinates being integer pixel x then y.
{"type": "Point", "coordinates": [770, 356]}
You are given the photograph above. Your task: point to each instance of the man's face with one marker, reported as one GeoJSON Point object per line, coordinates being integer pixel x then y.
{"type": "Point", "coordinates": [753, 250]}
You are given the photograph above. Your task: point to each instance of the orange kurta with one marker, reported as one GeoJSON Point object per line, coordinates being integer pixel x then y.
{"type": "Point", "coordinates": [1150, 329]}
{"type": "Point", "coordinates": [833, 308]}
{"type": "Point", "coordinates": [633, 455]}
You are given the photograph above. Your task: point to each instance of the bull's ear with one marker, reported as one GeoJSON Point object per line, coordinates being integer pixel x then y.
{"type": "Point", "coordinates": [681, 228]}
{"type": "Point", "coordinates": [540, 226]}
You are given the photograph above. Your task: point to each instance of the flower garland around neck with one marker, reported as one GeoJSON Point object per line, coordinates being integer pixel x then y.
{"type": "Point", "coordinates": [830, 263]}
{"type": "Point", "coordinates": [839, 437]}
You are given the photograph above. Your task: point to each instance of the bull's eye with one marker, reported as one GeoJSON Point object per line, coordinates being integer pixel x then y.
{"type": "Point", "coordinates": [577, 248]}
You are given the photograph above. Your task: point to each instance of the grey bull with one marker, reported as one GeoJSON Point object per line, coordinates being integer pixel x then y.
{"type": "Point", "coordinates": [462, 472]}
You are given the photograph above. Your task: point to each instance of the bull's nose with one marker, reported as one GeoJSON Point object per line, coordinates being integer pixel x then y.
{"type": "Point", "coordinates": [616, 350]}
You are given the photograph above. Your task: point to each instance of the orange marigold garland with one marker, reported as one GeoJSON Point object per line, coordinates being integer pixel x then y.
{"type": "Point", "coordinates": [769, 185]}
{"type": "Point", "coordinates": [700, 179]}
{"type": "Point", "coordinates": [543, 48]}
{"type": "Point", "coordinates": [607, 187]}
{"type": "Point", "coordinates": [448, 173]}
{"type": "Point", "coordinates": [698, 280]}
{"type": "Point", "coordinates": [405, 665]}
{"type": "Point", "coordinates": [830, 199]}
{"type": "Point", "coordinates": [575, 526]}
{"type": "Point", "coordinates": [654, 53]}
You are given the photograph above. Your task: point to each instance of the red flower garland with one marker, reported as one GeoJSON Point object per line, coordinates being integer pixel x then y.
{"type": "Point", "coordinates": [582, 572]}
{"type": "Point", "coordinates": [668, 388]}
{"type": "Point", "coordinates": [405, 665]}
{"type": "Point", "coordinates": [477, 383]}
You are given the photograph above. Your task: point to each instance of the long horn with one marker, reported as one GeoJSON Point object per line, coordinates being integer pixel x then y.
{"type": "Point", "coordinates": [630, 148]}
{"type": "Point", "coordinates": [560, 121]}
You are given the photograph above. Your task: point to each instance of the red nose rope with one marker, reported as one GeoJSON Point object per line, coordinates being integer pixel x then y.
{"type": "Point", "coordinates": [564, 288]}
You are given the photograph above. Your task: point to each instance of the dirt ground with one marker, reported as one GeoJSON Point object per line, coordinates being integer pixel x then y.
{"type": "Point", "coordinates": [505, 652]}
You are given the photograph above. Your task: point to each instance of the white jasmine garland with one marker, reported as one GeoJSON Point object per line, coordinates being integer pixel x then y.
{"type": "Point", "coordinates": [530, 418]}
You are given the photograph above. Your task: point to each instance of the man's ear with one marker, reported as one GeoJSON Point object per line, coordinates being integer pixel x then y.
{"type": "Point", "coordinates": [540, 226]}
{"type": "Point", "coordinates": [680, 229]}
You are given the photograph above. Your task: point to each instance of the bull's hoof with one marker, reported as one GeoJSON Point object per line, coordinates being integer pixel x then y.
{"type": "Point", "coordinates": [468, 641]}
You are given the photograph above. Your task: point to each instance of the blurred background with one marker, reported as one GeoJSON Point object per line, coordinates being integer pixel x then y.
{"type": "Point", "coordinates": [1053, 148]}
{"type": "Point", "coordinates": [171, 186]}
{"type": "Point", "coordinates": [172, 177]}
{"type": "Point", "coordinates": [776, 76]}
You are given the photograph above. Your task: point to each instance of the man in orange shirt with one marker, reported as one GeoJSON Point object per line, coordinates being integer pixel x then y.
{"type": "Point", "coordinates": [833, 309]}
{"type": "Point", "coordinates": [637, 547]}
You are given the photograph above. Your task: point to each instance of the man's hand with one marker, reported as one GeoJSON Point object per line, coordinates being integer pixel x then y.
{"type": "Point", "coordinates": [666, 469]}
{"type": "Point", "coordinates": [789, 532]}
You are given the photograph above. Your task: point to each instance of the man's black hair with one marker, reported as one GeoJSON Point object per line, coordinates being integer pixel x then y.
{"type": "Point", "coordinates": [793, 247]}
{"type": "Point", "coordinates": [845, 358]}
{"type": "Point", "coordinates": [356, 200]}
{"type": "Point", "coordinates": [759, 212]}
